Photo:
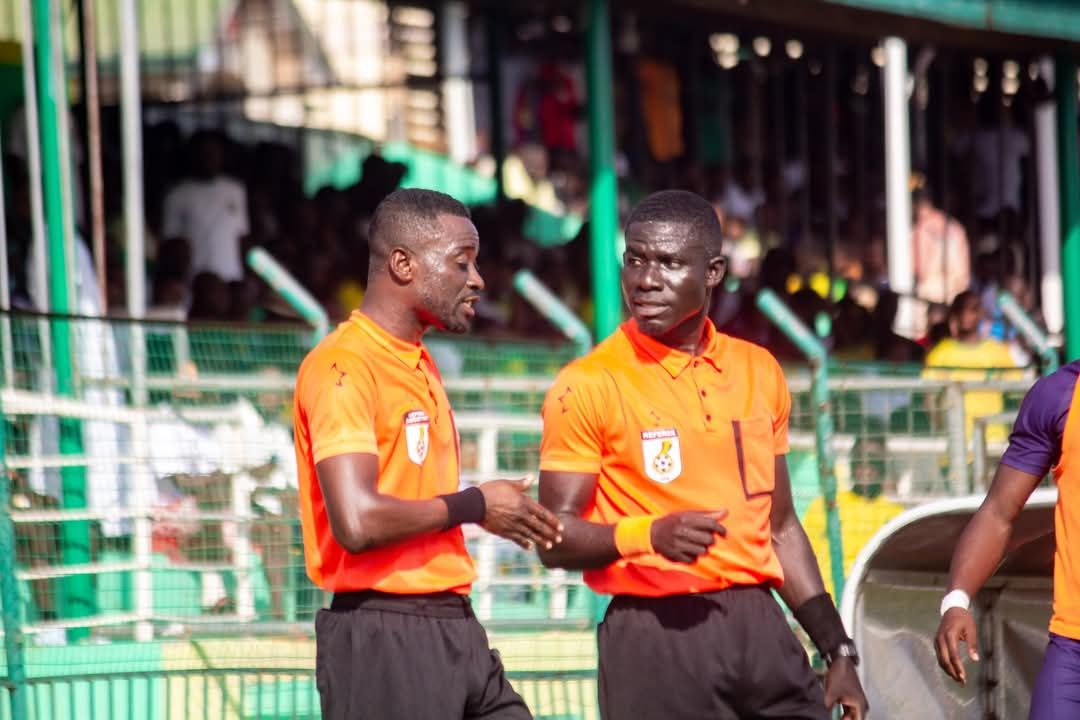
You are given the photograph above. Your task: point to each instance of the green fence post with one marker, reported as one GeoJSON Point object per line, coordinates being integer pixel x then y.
{"type": "Point", "coordinates": [603, 193]}
{"type": "Point", "coordinates": [782, 316]}
{"type": "Point", "coordinates": [603, 198]}
{"type": "Point", "coordinates": [1069, 192]}
{"type": "Point", "coordinates": [283, 283]}
{"type": "Point", "coordinates": [494, 28]}
{"type": "Point", "coordinates": [76, 595]}
{"type": "Point", "coordinates": [9, 596]}
{"type": "Point", "coordinates": [550, 306]}
{"type": "Point", "coordinates": [1030, 331]}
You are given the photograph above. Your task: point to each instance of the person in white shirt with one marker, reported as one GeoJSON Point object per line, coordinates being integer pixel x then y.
{"type": "Point", "coordinates": [209, 209]}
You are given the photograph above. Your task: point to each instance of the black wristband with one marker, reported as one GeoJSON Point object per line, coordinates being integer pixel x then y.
{"type": "Point", "coordinates": [467, 506]}
{"type": "Point", "coordinates": [821, 621]}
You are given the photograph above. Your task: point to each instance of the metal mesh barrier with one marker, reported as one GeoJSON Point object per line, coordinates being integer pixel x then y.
{"type": "Point", "coordinates": [159, 563]}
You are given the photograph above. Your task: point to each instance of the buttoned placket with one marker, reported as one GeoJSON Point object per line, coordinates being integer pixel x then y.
{"type": "Point", "coordinates": [427, 372]}
{"type": "Point", "coordinates": [701, 371]}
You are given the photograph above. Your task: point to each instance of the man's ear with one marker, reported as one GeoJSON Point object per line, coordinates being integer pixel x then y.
{"type": "Point", "coordinates": [400, 265]}
{"type": "Point", "coordinates": [714, 274]}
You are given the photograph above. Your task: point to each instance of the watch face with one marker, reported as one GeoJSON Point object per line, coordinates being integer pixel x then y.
{"type": "Point", "coordinates": [846, 649]}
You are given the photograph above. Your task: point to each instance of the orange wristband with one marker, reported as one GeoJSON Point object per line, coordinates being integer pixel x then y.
{"type": "Point", "coordinates": [633, 536]}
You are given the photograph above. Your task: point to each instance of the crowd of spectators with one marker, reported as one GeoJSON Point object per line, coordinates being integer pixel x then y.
{"type": "Point", "coordinates": [209, 198]}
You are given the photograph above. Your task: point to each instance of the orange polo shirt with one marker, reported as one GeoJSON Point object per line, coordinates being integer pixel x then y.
{"type": "Point", "coordinates": [362, 390]}
{"type": "Point", "coordinates": [1066, 618]}
{"type": "Point", "coordinates": [666, 431]}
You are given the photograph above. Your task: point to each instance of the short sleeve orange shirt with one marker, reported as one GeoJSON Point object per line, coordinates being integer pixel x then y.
{"type": "Point", "coordinates": [362, 390]}
{"type": "Point", "coordinates": [1066, 618]}
{"type": "Point", "coordinates": [666, 431]}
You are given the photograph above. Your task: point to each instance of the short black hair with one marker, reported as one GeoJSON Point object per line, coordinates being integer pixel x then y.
{"type": "Point", "coordinates": [683, 207]}
{"type": "Point", "coordinates": [962, 301]}
{"type": "Point", "coordinates": [407, 215]}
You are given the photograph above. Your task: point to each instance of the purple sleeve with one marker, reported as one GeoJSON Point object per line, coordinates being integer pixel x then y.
{"type": "Point", "coordinates": [1035, 442]}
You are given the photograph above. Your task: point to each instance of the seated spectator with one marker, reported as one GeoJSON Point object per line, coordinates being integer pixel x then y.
{"type": "Point", "coordinates": [854, 341]}
{"type": "Point", "coordinates": [169, 299]}
{"type": "Point", "coordinates": [940, 246]}
{"type": "Point", "coordinates": [36, 545]}
{"type": "Point", "coordinates": [210, 298]}
{"type": "Point", "coordinates": [169, 296]}
{"type": "Point", "coordinates": [968, 355]}
{"type": "Point", "coordinates": [526, 177]}
{"type": "Point", "coordinates": [864, 507]}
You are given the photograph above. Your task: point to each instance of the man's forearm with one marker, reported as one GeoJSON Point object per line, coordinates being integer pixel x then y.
{"type": "Point", "coordinates": [804, 591]}
{"type": "Point", "coordinates": [802, 576]}
{"type": "Point", "coordinates": [585, 546]}
{"type": "Point", "coordinates": [389, 520]}
{"type": "Point", "coordinates": [979, 551]}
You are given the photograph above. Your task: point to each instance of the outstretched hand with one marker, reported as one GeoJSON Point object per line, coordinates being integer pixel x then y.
{"type": "Point", "coordinates": [512, 514]}
{"type": "Point", "coordinates": [685, 536]}
{"type": "Point", "coordinates": [957, 625]}
{"type": "Point", "coordinates": [842, 687]}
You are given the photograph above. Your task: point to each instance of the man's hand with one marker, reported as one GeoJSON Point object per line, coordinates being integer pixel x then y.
{"type": "Point", "coordinates": [842, 687]}
{"type": "Point", "coordinates": [515, 516]}
{"type": "Point", "coordinates": [957, 625]}
{"type": "Point", "coordinates": [683, 537]}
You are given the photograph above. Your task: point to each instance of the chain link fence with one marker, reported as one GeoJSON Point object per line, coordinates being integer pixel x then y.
{"type": "Point", "coordinates": [157, 553]}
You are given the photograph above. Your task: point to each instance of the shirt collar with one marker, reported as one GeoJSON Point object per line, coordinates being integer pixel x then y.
{"type": "Point", "coordinates": [672, 360]}
{"type": "Point", "coordinates": [408, 353]}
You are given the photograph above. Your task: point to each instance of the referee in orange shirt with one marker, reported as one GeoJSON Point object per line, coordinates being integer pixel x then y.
{"type": "Point", "coordinates": [665, 431]}
{"type": "Point", "coordinates": [378, 454]}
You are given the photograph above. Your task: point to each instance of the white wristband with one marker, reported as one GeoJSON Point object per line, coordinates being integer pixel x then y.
{"type": "Point", "coordinates": [955, 599]}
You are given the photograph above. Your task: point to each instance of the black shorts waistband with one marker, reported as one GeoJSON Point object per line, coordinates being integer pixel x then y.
{"type": "Point", "coordinates": [440, 604]}
{"type": "Point", "coordinates": [720, 596]}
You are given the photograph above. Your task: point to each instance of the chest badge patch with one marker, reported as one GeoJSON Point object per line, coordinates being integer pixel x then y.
{"type": "Point", "coordinates": [417, 426]}
{"type": "Point", "coordinates": [660, 449]}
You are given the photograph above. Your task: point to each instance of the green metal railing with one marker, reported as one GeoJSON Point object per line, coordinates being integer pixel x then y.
{"type": "Point", "coordinates": [554, 309]}
{"type": "Point", "coordinates": [1030, 331]}
{"type": "Point", "coordinates": [782, 316]}
{"type": "Point", "coordinates": [15, 682]}
{"type": "Point", "coordinates": [253, 693]}
{"type": "Point", "coordinates": [496, 395]}
{"type": "Point", "coordinates": [283, 283]}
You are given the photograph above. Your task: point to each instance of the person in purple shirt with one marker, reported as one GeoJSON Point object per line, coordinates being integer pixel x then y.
{"type": "Point", "coordinates": [1042, 440]}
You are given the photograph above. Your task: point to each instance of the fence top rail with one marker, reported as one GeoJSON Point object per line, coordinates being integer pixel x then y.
{"type": "Point", "coordinates": [26, 402]}
{"type": "Point", "coordinates": [299, 671]}
{"type": "Point", "coordinates": [157, 674]}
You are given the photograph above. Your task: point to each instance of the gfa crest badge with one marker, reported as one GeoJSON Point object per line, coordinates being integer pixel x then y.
{"type": "Point", "coordinates": [416, 435]}
{"type": "Point", "coordinates": [663, 462]}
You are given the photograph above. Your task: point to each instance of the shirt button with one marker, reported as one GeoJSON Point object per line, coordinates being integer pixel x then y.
{"type": "Point", "coordinates": [708, 418]}
{"type": "Point", "coordinates": [703, 393]}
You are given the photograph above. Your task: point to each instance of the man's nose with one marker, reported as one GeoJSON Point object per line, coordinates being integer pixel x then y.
{"type": "Point", "coordinates": [476, 280]}
{"type": "Point", "coordinates": [649, 278]}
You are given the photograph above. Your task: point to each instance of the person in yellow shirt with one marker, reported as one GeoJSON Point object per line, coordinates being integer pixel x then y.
{"type": "Point", "coordinates": [967, 355]}
{"type": "Point", "coordinates": [864, 508]}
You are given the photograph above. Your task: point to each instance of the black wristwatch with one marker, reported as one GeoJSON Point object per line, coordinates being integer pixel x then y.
{"type": "Point", "coordinates": [844, 649]}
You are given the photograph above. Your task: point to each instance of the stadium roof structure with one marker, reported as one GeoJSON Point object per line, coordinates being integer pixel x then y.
{"type": "Point", "coordinates": [1058, 19]}
{"type": "Point", "coordinates": [1033, 25]}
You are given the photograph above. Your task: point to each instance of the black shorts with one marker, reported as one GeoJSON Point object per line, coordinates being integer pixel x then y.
{"type": "Point", "coordinates": [408, 656]}
{"type": "Point", "coordinates": [725, 655]}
